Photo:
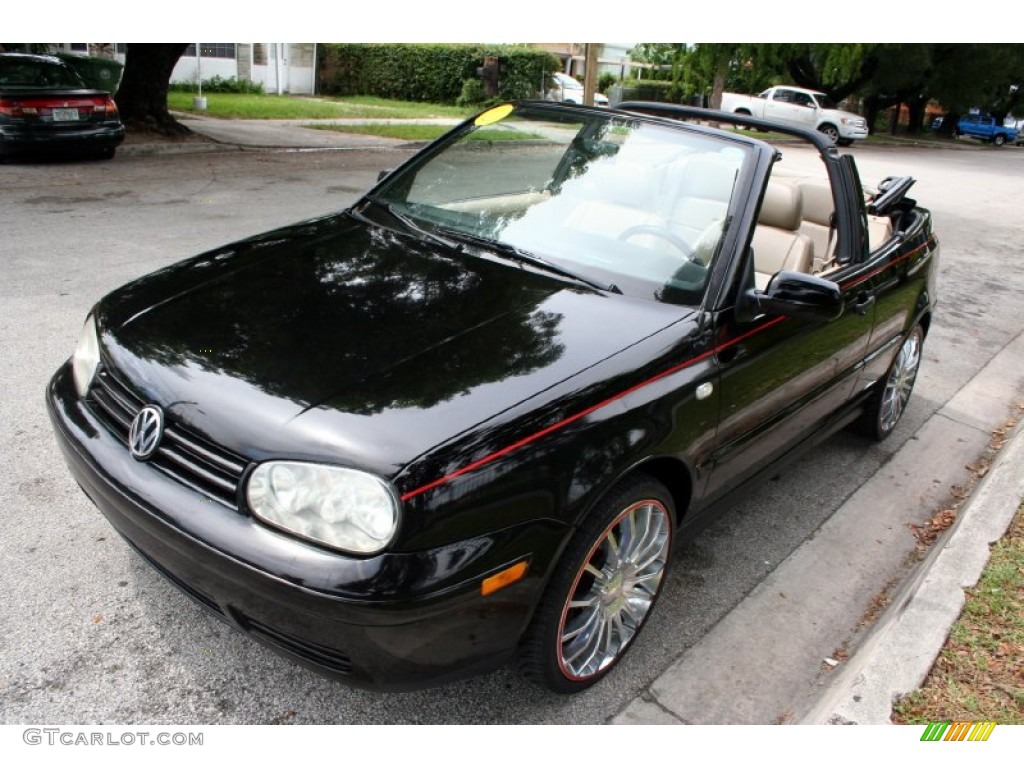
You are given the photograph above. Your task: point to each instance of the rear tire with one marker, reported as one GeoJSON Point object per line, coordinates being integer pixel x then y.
{"type": "Point", "coordinates": [889, 401]}
{"type": "Point", "coordinates": [744, 113]}
{"type": "Point", "coordinates": [603, 589]}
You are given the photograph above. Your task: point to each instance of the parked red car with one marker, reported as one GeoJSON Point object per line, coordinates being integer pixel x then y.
{"type": "Point", "coordinates": [45, 107]}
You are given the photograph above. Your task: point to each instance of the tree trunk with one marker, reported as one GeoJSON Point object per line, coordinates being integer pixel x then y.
{"type": "Point", "coordinates": [142, 97]}
{"type": "Point", "coordinates": [873, 106]}
{"type": "Point", "coordinates": [916, 106]}
{"type": "Point", "coordinates": [718, 83]}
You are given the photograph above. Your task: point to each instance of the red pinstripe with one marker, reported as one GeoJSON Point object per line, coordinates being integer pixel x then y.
{"type": "Point", "coordinates": [668, 372]}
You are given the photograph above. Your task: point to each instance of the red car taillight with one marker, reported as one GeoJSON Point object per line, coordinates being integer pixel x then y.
{"type": "Point", "coordinates": [14, 108]}
{"type": "Point", "coordinates": [106, 106]}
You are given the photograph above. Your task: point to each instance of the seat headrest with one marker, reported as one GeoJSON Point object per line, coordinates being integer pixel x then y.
{"type": "Point", "coordinates": [782, 206]}
{"type": "Point", "coordinates": [624, 183]}
{"type": "Point", "coordinates": [711, 178]}
{"type": "Point", "coordinates": [817, 201]}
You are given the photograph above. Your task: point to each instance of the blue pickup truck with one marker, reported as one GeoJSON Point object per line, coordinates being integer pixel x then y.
{"type": "Point", "coordinates": [986, 128]}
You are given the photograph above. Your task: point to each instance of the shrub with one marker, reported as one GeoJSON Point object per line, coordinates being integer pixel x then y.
{"type": "Point", "coordinates": [428, 72]}
{"type": "Point", "coordinates": [218, 84]}
{"type": "Point", "coordinates": [652, 90]}
{"type": "Point", "coordinates": [605, 82]}
{"type": "Point", "coordinates": [473, 92]}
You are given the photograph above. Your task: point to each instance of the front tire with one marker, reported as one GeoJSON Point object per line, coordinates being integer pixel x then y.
{"type": "Point", "coordinates": [603, 590]}
{"type": "Point", "coordinates": [999, 140]}
{"type": "Point", "coordinates": [887, 404]}
{"type": "Point", "coordinates": [831, 131]}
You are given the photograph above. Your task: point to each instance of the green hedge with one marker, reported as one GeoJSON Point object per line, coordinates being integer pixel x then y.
{"type": "Point", "coordinates": [218, 84]}
{"type": "Point", "coordinates": [428, 72]}
{"type": "Point", "coordinates": [652, 90]}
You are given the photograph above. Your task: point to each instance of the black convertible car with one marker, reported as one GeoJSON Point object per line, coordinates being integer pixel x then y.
{"type": "Point", "coordinates": [469, 418]}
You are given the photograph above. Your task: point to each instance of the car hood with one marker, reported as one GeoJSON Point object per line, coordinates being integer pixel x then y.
{"type": "Point", "coordinates": [341, 340]}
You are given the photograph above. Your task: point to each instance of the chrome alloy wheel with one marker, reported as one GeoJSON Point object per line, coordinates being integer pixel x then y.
{"type": "Point", "coordinates": [614, 590]}
{"type": "Point", "coordinates": [900, 383]}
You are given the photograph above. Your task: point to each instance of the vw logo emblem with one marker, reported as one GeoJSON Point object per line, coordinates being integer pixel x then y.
{"type": "Point", "coordinates": [146, 431]}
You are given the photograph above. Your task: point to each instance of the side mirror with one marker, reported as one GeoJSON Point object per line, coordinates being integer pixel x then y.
{"type": "Point", "coordinates": [382, 174]}
{"type": "Point", "coordinates": [794, 294]}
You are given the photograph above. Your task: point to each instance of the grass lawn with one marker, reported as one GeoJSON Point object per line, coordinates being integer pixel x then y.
{"type": "Point", "coordinates": [979, 674]}
{"type": "Point", "coordinates": [419, 132]}
{"type": "Point", "coordinates": [265, 106]}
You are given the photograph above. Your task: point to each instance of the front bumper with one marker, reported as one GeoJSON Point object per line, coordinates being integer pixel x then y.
{"type": "Point", "coordinates": [853, 132]}
{"type": "Point", "coordinates": [391, 622]}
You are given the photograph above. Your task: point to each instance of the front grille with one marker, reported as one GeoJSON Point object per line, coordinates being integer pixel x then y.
{"type": "Point", "coordinates": [320, 655]}
{"type": "Point", "coordinates": [191, 460]}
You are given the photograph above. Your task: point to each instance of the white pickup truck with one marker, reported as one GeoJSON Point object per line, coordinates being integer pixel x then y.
{"type": "Point", "coordinates": [802, 108]}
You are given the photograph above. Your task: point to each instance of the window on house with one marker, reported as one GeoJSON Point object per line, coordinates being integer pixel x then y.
{"type": "Point", "coordinates": [82, 47]}
{"type": "Point", "coordinates": [259, 53]}
{"type": "Point", "coordinates": [212, 50]}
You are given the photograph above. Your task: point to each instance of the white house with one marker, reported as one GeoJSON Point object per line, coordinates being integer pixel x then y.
{"type": "Point", "coordinates": [279, 67]}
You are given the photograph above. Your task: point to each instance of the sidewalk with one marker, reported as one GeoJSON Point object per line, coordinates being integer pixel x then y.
{"type": "Point", "coordinates": [899, 654]}
{"type": "Point", "coordinates": [293, 134]}
{"type": "Point", "coordinates": [235, 135]}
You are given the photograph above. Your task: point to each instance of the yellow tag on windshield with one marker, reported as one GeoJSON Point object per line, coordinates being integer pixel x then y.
{"type": "Point", "coordinates": [492, 116]}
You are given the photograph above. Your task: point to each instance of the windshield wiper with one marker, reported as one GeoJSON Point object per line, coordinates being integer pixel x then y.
{"type": "Point", "coordinates": [411, 225]}
{"type": "Point", "coordinates": [525, 257]}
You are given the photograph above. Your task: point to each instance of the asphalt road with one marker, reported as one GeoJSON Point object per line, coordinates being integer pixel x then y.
{"type": "Point", "coordinates": [89, 634]}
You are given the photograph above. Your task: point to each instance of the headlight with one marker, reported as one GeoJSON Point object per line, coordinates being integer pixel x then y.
{"type": "Point", "coordinates": [342, 508]}
{"type": "Point", "coordinates": [86, 357]}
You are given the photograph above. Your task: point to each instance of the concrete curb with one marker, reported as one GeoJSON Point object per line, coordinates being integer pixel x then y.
{"type": "Point", "coordinates": [900, 652]}
{"type": "Point", "coordinates": [185, 148]}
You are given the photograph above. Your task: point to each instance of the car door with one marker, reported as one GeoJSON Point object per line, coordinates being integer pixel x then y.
{"type": "Point", "coordinates": [782, 378]}
{"type": "Point", "coordinates": [805, 111]}
{"type": "Point", "coordinates": [779, 106]}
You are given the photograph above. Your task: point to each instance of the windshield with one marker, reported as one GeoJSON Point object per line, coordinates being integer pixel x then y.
{"type": "Point", "coordinates": [624, 202]}
{"type": "Point", "coordinates": [17, 72]}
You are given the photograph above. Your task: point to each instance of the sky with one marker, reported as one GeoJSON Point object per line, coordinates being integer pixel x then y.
{"type": "Point", "coordinates": [521, 21]}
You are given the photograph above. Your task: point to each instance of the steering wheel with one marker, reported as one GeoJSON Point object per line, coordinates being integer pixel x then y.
{"type": "Point", "coordinates": [660, 232]}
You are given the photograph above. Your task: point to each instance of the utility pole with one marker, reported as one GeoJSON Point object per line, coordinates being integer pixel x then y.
{"type": "Point", "coordinates": [590, 72]}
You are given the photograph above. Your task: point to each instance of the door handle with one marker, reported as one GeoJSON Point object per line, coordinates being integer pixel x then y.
{"type": "Point", "coordinates": [863, 304]}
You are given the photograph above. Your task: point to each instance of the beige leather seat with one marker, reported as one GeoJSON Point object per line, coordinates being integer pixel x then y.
{"type": "Point", "coordinates": [879, 231]}
{"type": "Point", "coordinates": [778, 243]}
{"type": "Point", "coordinates": [818, 206]}
{"type": "Point", "coordinates": [697, 194]}
{"type": "Point", "coordinates": [623, 196]}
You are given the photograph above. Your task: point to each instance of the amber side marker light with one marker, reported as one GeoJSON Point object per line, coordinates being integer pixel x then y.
{"type": "Point", "coordinates": [502, 579]}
